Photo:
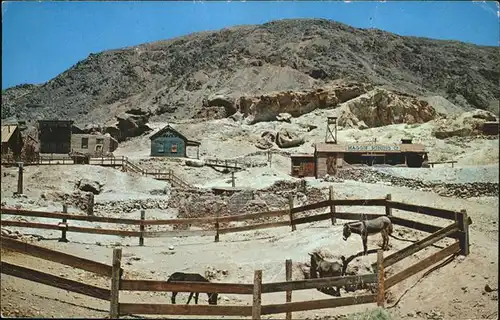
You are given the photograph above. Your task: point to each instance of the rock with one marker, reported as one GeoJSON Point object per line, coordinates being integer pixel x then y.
{"type": "Point", "coordinates": [266, 140]}
{"type": "Point", "coordinates": [171, 248]}
{"type": "Point", "coordinates": [463, 125]}
{"type": "Point", "coordinates": [224, 101]}
{"type": "Point", "coordinates": [129, 125]}
{"type": "Point", "coordinates": [194, 163]}
{"type": "Point", "coordinates": [382, 107]}
{"type": "Point", "coordinates": [269, 106]}
{"type": "Point", "coordinates": [286, 139]}
{"type": "Point", "coordinates": [488, 289]}
{"type": "Point", "coordinates": [87, 185]}
{"type": "Point", "coordinates": [285, 117]}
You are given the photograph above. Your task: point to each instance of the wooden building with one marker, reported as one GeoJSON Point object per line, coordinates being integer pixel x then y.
{"type": "Point", "coordinates": [93, 144]}
{"type": "Point", "coordinates": [303, 165]}
{"type": "Point", "coordinates": [169, 142]}
{"type": "Point", "coordinates": [12, 142]}
{"type": "Point", "coordinates": [329, 156]}
{"type": "Point", "coordinates": [55, 136]}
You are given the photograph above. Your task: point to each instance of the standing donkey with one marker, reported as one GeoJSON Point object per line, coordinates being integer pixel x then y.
{"type": "Point", "coordinates": [192, 277]}
{"type": "Point", "coordinates": [369, 227]}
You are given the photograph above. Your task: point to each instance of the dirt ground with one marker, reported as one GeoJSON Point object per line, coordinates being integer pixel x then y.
{"type": "Point", "coordinates": [454, 291]}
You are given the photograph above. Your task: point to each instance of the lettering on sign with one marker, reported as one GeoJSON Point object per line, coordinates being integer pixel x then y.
{"type": "Point", "coordinates": [373, 148]}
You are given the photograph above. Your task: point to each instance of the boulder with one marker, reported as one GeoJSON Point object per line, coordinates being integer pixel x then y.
{"type": "Point", "coordinates": [285, 117]}
{"type": "Point", "coordinates": [266, 140]}
{"type": "Point", "coordinates": [194, 163]}
{"type": "Point", "coordinates": [87, 185]}
{"type": "Point", "coordinates": [286, 139]}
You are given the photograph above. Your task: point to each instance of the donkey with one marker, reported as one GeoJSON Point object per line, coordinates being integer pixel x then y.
{"type": "Point", "coordinates": [326, 269]}
{"type": "Point", "coordinates": [194, 277]}
{"type": "Point", "coordinates": [369, 227]}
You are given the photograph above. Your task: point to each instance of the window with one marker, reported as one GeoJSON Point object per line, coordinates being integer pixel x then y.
{"type": "Point", "coordinates": [159, 147]}
{"type": "Point", "coordinates": [173, 149]}
{"type": "Point", "coordinates": [99, 141]}
{"type": "Point", "coordinates": [85, 143]}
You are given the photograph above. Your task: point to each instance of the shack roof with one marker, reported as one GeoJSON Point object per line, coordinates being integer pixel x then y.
{"type": "Point", "coordinates": [170, 128]}
{"type": "Point", "coordinates": [370, 147]}
{"type": "Point", "coordinates": [302, 155]}
{"type": "Point", "coordinates": [7, 132]}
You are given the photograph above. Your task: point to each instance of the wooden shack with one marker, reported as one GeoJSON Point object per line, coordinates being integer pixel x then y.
{"type": "Point", "coordinates": [55, 136]}
{"type": "Point", "coordinates": [12, 142]}
{"type": "Point", "coordinates": [169, 142]}
{"type": "Point", "coordinates": [303, 165]}
{"type": "Point", "coordinates": [93, 144]}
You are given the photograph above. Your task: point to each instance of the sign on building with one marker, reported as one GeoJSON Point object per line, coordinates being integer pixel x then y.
{"type": "Point", "coordinates": [373, 148]}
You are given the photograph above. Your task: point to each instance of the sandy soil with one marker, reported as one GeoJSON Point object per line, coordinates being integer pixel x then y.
{"type": "Point", "coordinates": [454, 291]}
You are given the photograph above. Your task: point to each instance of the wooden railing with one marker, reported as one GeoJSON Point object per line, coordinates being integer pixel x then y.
{"type": "Point", "coordinates": [122, 161]}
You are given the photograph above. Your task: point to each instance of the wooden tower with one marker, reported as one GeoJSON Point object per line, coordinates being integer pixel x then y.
{"type": "Point", "coordinates": [331, 130]}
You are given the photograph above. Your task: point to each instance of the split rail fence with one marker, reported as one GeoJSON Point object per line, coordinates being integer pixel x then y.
{"type": "Point", "coordinates": [214, 222]}
{"type": "Point", "coordinates": [458, 230]}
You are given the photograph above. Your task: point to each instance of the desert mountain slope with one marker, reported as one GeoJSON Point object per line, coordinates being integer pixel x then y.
{"type": "Point", "coordinates": [172, 78]}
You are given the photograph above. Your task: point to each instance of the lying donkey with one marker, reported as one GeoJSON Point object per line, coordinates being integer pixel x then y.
{"type": "Point", "coordinates": [326, 269]}
{"type": "Point", "coordinates": [368, 227]}
{"type": "Point", "coordinates": [194, 277]}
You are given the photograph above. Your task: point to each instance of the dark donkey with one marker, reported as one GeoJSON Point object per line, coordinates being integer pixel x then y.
{"type": "Point", "coordinates": [194, 277]}
{"type": "Point", "coordinates": [368, 227]}
{"type": "Point", "coordinates": [326, 269]}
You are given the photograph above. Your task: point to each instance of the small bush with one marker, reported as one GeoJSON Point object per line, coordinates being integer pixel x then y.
{"type": "Point", "coordinates": [376, 314]}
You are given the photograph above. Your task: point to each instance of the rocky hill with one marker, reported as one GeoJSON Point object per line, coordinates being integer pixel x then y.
{"type": "Point", "coordinates": [177, 78]}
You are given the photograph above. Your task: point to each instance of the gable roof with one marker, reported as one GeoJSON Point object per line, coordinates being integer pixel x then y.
{"type": "Point", "coordinates": [7, 132]}
{"type": "Point", "coordinates": [169, 128]}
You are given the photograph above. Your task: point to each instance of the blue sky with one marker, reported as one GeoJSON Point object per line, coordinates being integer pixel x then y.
{"type": "Point", "coordinates": [42, 39]}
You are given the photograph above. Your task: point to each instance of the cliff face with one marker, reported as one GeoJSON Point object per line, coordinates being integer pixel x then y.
{"type": "Point", "coordinates": [174, 78]}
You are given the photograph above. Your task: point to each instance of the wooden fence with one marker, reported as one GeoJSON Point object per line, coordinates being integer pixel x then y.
{"type": "Point", "coordinates": [458, 229]}
{"type": "Point", "coordinates": [215, 230]}
{"type": "Point", "coordinates": [115, 272]}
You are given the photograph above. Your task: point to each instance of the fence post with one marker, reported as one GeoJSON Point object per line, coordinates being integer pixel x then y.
{"type": "Point", "coordinates": [290, 204]}
{"type": "Point", "coordinates": [64, 221]}
{"type": "Point", "coordinates": [233, 184]}
{"type": "Point", "coordinates": [141, 228]}
{"type": "Point", "coordinates": [463, 226]}
{"type": "Point", "coordinates": [388, 210]}
{"type": "Point", "coordinates": [20, 178]}
{"type": "Point", "coordinates": [257, 294]}
{"type": "Point", "coordinates": [288, 275]}
{"type": "Point", "coordinates": [90, 205]}
{"type": "Point", "coordinates": [381, 280]}
{"type": "Point", "coordinates": [332, 206]}
{"type": "Point", "coordinates": [115, 284]}
{"type": "Point", "coordinates": [217, 226]}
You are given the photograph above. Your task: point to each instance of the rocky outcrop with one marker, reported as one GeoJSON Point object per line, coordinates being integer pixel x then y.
{"type": "Point", "coordinates": [271, 106]}
{"type": "Point", "coordinates": [381, 107]}
{"type": "Point", "coordinates": [466, 124]}
{"type": "Point", "coordinates": [131, 124]}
